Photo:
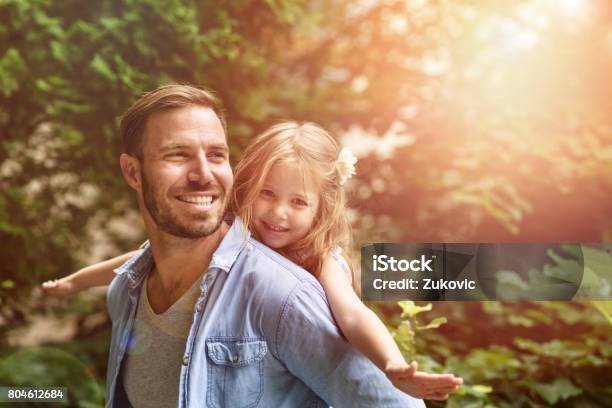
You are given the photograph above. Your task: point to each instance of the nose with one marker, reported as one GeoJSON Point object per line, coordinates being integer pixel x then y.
{"type": "Point", "coordinates": [200, 170]}
{"type": "Point", "coordinates": [279, 211]}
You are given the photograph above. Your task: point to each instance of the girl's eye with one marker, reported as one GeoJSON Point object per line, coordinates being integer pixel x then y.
{"type": "Point", "coordinates": [300, 202]}
{"type": "Point", "coordinates": [267, 193]}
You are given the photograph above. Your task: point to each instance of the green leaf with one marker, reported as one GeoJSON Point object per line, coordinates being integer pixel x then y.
{"type": "Point", "coordinates": [518, 320]}
{"type": "Point", "coordinates": [101, 67]}
{"type": "Point", "coordinates": [510, 279]}
{"type": "Point", "coordinates": [481, 389]}
{"type": "Point", "coordinates": [410, 309]}
{"type": "Point", "coordinates": [435, 323]}
{"type": "Point", "coordinates": [404, 337]}
{"type": "Point", "coordinates": [12, 229]}
{"type": "Point", "coordinates": [560, 389]}
{"type": "Point", "coordinates": [12, 66]}
{"type": "Point", "coordinates": [65, 106]}
{"type": "Point", "coordinates": [7, 284]}
{"type": "Point", "coordinates": [111, 24]}
{"type": "Point", "coordinates": [42, 85]}
{"type": "Point", "coordinates": [60, 51]}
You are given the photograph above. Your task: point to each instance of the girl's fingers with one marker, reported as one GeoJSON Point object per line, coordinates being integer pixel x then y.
{"type": "Point", "coordinates": [437, 396]}
{"type": "Point", "coordinates": [438, 387]}
{"type": "Point", "coordinates": [433, 379]}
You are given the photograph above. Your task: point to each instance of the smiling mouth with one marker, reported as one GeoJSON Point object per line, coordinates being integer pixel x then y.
{"type": "Point", "coordinates": [202, 200]}
{"type": "Point", "coordinates": [274, 228]}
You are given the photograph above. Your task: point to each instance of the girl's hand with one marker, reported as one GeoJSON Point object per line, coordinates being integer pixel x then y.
{"type": "Point", "coordinates": [418, 384]}
{"type": "Point", "coordinates": [60, 287]}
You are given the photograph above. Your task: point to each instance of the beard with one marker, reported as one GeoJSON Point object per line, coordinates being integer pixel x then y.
{"type": "Point", "coordinates": [172, 222]}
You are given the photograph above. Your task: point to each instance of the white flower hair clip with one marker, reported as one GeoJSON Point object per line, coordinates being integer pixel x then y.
{"type": "Point", "coordinates": [346, 165]}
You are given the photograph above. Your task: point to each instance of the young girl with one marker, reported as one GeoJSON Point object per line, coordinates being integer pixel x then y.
{"type": "Point", "coordinates": [288, 190]}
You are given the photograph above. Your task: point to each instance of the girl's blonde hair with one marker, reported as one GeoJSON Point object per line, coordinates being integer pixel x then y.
{"type": "Point", "coordinates": [315, 152]}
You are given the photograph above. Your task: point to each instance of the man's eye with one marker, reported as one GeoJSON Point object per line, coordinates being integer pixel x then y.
{"type": "Point", "coordinates": [217, 155]}
{"type": "Point", "coordinates": [177, 155]}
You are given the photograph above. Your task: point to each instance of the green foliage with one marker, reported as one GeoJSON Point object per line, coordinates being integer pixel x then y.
{"type": "Point", "coordinates": [67, 72]}
{"type": "Point", "coordinates": [405, 334]}
{"type": "Point", "coordinates": [51, 367]}
{"type": "Point", "coordinates": [560, 389]}
{"type": "Point", "coordinates": [577, 273]}
{"type": "Point", "coordinates": [11, 66]}
{"type": "Point", "coordinates": [466, 163]}
{"type": "Point", "coordinates": [562, 357]}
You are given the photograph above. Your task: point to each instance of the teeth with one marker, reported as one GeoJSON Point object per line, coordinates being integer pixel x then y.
{"type": "Point", "coordinates": [275, 228]}
{"type": "Point", "coordinates": [207, 200]}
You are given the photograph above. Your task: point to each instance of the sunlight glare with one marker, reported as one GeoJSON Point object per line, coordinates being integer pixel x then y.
{"type": "Point", "coordinates": [573, 8]}
{"type": "Point", "coordinates": [510, 35]}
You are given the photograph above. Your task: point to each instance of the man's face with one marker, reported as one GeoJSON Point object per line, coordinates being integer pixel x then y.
{"type": "Point", "coordinates": [186, 175]}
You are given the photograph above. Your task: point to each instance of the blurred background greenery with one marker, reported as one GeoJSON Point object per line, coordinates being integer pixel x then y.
{"type": "Point", "coordinates": [474, 121]}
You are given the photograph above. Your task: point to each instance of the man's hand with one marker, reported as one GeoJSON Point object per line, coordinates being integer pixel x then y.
{"type": "Point", "coordinates": [60, 287]}
{"type": "Point", "coordinates": [423, 385]}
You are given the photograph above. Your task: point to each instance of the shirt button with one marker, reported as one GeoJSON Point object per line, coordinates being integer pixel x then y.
{"type": "Point", "coordinates": [199, 307]}
{"type": "Point", "coordinates": [185, 360]}
{"type": "Point", "coordinates": [236, 358]}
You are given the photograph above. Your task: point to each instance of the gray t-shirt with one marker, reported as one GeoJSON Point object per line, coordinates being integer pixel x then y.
{"type": "Point", "coordinates": [154, 355]}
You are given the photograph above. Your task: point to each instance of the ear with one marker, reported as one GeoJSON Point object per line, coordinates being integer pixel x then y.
{"type": "Point", "coordinates": [130, 167]}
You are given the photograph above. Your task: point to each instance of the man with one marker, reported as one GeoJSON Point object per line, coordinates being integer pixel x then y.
{"type": "Point", "coordinates": [206, 315]}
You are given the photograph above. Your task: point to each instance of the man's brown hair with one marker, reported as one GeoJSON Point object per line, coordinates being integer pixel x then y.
{"type": "Point", "coordinates": [134, 121]}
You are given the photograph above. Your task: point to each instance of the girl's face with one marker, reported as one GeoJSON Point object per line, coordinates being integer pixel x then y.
{"type": "Point", "coordinates": [285, 208]}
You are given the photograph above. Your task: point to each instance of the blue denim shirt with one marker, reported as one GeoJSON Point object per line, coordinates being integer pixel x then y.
{"type": "Point", "coordinates": [262, 336]}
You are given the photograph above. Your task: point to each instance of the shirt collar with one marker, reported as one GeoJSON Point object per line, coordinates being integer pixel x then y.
{"type": "Point", "coordinates": [234, 241]}
{"type": "Point", "coordinates": [137, 267]}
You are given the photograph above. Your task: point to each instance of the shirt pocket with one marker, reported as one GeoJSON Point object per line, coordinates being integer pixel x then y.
{"type": "Point", "coordinates": [235, 371]}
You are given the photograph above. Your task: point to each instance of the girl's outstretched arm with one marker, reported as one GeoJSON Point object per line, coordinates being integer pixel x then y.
{"type": "Point", "coordinates": [364, 330]}
{"type": "Point", "coordinates": [100, 274]}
